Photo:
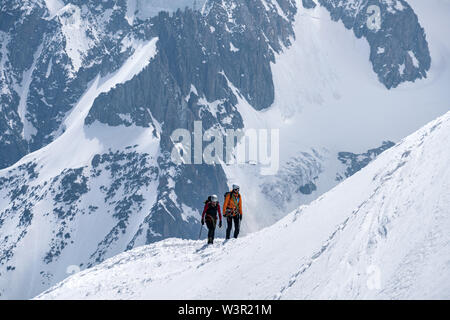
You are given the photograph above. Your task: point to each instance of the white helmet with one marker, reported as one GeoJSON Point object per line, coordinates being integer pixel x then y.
{"type": "Point", "coordinates": [235, 187]}
{"type": "Point", "coordinates": [214, 198]}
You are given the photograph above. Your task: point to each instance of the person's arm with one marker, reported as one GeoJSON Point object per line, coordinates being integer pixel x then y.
{"type": "Point", "coordinates": [240, 204]}
{"type": "Point", "coordinates": [225, 204]}
{"type": "Point", "coordinates": [220, 213]}
{"type": "Point", "coordinates": [204, 211]}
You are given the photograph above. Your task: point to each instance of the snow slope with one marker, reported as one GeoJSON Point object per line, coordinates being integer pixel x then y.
{"type": "Point", "coordinates": [382, 233]}
{"type": "Point", "coordinates": [328, 99]}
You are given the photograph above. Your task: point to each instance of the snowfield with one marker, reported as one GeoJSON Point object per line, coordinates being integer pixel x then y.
{"type": "Point", "coordinates": [328, 99]}
{"type": "Point", "coordinates": [382, 233]}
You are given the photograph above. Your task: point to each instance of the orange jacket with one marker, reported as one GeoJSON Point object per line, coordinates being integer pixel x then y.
{"type": "Point", "coordinates": [230, 204]}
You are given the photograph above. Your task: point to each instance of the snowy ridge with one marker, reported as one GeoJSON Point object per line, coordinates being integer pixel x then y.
{"type": "Point", "coordinates": [353, 242]}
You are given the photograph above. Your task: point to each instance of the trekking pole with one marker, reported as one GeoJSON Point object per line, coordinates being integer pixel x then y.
{"type": "Point", "coordinates": [200, 234]}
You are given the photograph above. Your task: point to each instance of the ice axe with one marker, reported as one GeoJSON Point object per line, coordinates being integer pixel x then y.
{"type": "Point", "coordinates": [200, 234]}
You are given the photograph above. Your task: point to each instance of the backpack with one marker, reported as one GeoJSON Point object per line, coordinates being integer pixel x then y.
{"type": "Point", "coordinates": [228, 212]}
{"type": "Point", "coordinates": [208, 200]}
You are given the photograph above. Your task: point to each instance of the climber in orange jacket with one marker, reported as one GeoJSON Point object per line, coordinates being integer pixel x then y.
{"type": "Point", "coordinates": [232, 210]}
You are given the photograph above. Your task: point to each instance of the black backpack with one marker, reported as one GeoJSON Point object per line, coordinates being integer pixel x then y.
{"type": "Point", "coordinates": [208, 200]}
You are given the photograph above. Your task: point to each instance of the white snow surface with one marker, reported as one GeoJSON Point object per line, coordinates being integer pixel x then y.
{"type": "Point", "coordinates": [23, 90]}
{"type": "Point", "coordinates": [144, 9]}
{"type": "Point", "coordinates": [54, 6]}
{"type": "Point", "coordinates": [328, 98]}
{"type": "Point", "coordinates": [382, 233]}
{"type": "Point", "coordinates": [74, 29]}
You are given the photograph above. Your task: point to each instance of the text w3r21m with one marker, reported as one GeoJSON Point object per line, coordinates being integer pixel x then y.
{"type": "Point", "coordinates": [246, 309]}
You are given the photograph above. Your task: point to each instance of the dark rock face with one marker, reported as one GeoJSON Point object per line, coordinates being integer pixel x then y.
{"type": "Point", "coordinates": [17, 183]}
{"type": "Point", "coordinates": [308, 188]}
{"type": "Point", "coordinates": [308, 4]}
{"type": "Point", "coordinates": [36, 54]}
{"type": "Point", "coordinates": [356, 162]}
{"type": "Point", "coordinates": [41, 66]}
{"type": "Point", "coordinates": [196, 50]}
{"type": "Point", "coordinates": [115, 183]}
{"type": "Point", "coordinates": [226, 44]}
{"type": "Point", "coordinates": [41, 79]}
{"type": "Point", "coordinates": [398, 48]}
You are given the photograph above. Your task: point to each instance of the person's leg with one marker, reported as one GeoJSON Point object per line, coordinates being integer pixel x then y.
{"type": "Point", "coordinates": [236, 225]}
{"type": "Point", "coordinates": [213, 229]}
{"type": "Point", "coordinates": [229, 225]}
{"type": "Point", "coordinates": [210, 225]}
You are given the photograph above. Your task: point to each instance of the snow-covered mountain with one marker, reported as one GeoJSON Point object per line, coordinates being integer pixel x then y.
{"type": "Point", "coordinates": [90, 93]}
{"type": "Point", "coordinates": [382, 233]}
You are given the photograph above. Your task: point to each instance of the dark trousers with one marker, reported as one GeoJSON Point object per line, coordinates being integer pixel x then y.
{"type": "Point", "coordinates": [230, 224]}
{"type": "Point", "coordinates": [211, 224]}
